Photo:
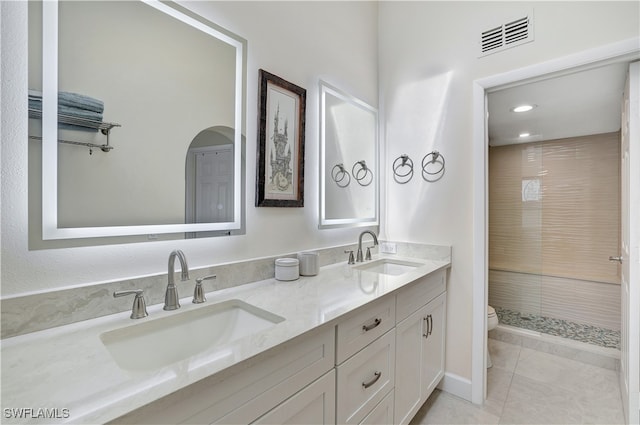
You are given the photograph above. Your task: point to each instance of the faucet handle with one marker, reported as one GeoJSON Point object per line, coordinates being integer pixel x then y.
{"type": "Point", "coordinates": [350, 252]}
{"type": "Point", "coordinates": [139, 308]}
{"type": "Point", "coordinates": [368, 256]}
{"type": "Point", "coordinates": [198, 292]}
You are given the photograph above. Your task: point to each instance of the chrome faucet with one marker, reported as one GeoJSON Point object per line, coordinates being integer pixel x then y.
{"type": "Point", "coordinates": [375, 242]}
{"type": "Point", "coordinates": [171, 299]}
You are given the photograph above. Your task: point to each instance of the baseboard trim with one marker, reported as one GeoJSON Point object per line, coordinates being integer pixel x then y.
{"type": "Point", "coordinates": [456, 385]}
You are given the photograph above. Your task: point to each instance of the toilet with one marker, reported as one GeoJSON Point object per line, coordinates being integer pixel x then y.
{"type": "Point", "coordinates": [492, 322]}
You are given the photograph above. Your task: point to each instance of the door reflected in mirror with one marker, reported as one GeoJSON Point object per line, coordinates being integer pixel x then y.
{"type": "Point", "coordinates": [349, 162]}
{"type": "Point", "coordinates": [167, 86]}
{"type": "Point", "coordinates": [209, 179]}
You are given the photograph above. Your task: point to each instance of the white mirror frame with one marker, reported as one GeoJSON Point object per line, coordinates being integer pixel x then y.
{"type": "Point", "coordinates": [327, 223]}
{"type": "Point", "coordinates": [50, 229]}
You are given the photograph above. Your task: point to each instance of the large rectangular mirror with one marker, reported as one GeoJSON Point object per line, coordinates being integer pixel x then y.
{"type": "Point", "coordinates": [349, 160]}
{"type": "Point", "coordinates": [173, 82]}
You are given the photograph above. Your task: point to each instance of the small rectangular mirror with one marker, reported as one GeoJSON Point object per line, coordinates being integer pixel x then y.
{"type": "Point", "coordinates": [349, 160]}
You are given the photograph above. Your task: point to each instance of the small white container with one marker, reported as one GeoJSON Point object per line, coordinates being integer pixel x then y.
{"type": "Point", "coordinates": [287, 269]}
{"type": "Point", "coordinates": [309, 263]}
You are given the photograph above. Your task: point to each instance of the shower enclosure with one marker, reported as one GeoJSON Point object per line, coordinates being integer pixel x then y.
{"type": "Point", "coordinates": [554, 220]}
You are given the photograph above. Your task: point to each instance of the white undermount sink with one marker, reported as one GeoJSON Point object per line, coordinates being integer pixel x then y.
{"type": "Point", "coordinates": [152, 344]}
{"type": "Point", "coordinates": [389, 266]}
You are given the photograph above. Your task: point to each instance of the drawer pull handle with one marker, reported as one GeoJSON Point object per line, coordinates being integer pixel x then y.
{"type": "Point", "coordinates": [429, 322]}
{"type": "Point", "coordinates": [375, 323]}
{"type": "Point", "coordinates": [373, 381]}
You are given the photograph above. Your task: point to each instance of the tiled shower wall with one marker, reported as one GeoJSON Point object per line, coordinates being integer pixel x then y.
{"type": "Point", "coordinates": [579, 301]}
{"type": "Point", "coordinates": [554, 220]}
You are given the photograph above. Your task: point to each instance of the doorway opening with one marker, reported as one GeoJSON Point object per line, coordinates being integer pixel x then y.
{"type": "Point", "coordinates": [625, 51]}
{"type": "Point", "coordinates": [554, 206]}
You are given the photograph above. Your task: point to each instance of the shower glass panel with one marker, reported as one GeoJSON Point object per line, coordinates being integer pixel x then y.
{"type": "Point", "coordinates": [515, 233]}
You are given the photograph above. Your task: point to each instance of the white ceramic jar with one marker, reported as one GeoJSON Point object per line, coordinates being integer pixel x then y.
{"type": "Point", "coordinates": [287, 269]}
{"type": "Point", "coordinates": [309, 263]}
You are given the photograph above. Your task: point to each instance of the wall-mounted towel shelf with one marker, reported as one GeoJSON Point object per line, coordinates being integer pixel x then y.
{"type": "Point", "coordinates": [104, 148]}
{"type": "Point", "coordinates": [103, 127]}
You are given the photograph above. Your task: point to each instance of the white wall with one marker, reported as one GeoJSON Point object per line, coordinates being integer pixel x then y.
{"type": "Point", "coordinates": [301, 42]}
{"type": "Point", "coordinates": [428, 61]}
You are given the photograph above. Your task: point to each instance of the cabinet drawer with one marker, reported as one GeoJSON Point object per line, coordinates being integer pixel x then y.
{"type": "Point", "coordinates": [364, 326]}
{"type": "Point", "coordinates": [316, 404]}
{"type": "Point", "coordinates": [419, 293]}
{"type": "Point", "coordinates": [365, 379]}
{"type": "Point", "coordinates": [382, 413]}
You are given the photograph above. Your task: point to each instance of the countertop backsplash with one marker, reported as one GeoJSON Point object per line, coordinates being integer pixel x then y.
{"type": "Point", "coordinates": [35, 312]}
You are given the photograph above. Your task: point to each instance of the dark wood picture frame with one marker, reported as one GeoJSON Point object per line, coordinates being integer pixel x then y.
{"type": "Point", "coordinates": [280, 152]}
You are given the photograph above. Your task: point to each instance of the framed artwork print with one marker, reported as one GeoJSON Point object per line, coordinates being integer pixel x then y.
{"type": "Point", "coordinates": [280, 156]}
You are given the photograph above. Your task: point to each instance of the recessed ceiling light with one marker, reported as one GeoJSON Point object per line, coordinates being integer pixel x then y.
{"type": "Point", "coordinates": [522, 135]}
{"type": "Point", "coordinates": [523, 108]}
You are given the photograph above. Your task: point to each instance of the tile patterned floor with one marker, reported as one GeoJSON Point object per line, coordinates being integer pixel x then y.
{"type": "Point", "coordinates": [558, 327]}
{"type": "Point", "coordinates": [532, 387]}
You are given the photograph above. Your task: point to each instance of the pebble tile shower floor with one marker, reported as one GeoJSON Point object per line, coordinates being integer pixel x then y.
{"type": "Point", "coordinates": [562, 328]}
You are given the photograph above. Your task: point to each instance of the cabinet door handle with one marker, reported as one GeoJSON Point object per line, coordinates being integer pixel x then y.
{"type": "Point", "coordinates": [375, 378]}
{"type": "Point", "coordinates": [425, 320]}
{"type": "Point", "coordinates": [375, 323]}
{"type": "Point", "coordinates": [430, 317]}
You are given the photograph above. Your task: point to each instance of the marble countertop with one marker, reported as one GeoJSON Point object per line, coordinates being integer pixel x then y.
{"type": "Point", "coordinates": [69, 371]}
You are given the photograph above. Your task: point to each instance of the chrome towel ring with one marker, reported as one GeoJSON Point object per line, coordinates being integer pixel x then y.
{"type": "Point", "coordinates": [363, 175]}
{"type": "Point", "coordinates": [402, 169]}
{"type": "Point", "coordinates": [433, 166]}
{"type": "Point", "coordinates": [339, 174]}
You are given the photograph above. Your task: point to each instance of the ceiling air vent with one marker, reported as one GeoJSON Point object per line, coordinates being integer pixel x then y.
{"type": "Point", "coordinates": [507, 35]}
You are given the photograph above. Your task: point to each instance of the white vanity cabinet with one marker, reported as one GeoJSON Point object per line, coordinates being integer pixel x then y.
{"type": "Point", "coordinates": [377, 364]}
{"type": "Point", "coordinates": [420, 338]}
